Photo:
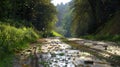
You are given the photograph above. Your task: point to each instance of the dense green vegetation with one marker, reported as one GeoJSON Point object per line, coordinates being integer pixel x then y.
{"type": "Point", "coordinates": [63, 25]}
{"type": "Point", "coordinates": [91, 19]}
{"type": "Point", "coordinates": [23, 22]}
{"type": "Point", "coordinates": [56, 34]}
{"type": "Point", "coordinates": [41, 14]}
{"type": "Point", "coordinates": [13, 40]}
{"type": "Point", "coordinates": [95, 17]}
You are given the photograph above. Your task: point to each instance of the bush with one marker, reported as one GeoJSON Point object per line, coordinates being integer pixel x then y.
{"type": "Point", "coordinates": [12, 39]}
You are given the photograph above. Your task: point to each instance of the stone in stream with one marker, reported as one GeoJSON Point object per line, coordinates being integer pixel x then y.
{"type": "Point", "coordinates": [78, 62]}
{"type": "Point", "coordinates": [101, 43]}
{"type": "Point", "coordinates": [80, 42]}
{"type": "Point", "coordinates": [34, 47]}
{"type": "Point", "coordinates": [80, 65]}
{"type": "Point", "coordinates": [21, 54]}
{"type": "Point", "coordinates": [63, 59]}
{"type": "Point", "coordinates": [100, 47]}
{"type": "Point", "coordinates": [88, 62]}
{"type": "Point", "coordinates": [88, 44]}
{"type": "Point", "coordinates": [70, 65]}
{"type": "Point", "coordinates": [46, 56]}
{"type": "Point", "coordinates": [94, 43]}
{"type": "Point", "coordinates": [71, 58]}
{"type": "Point", "coordinates": [105, 46]}
{"type": "Point", "coordinates": [56, 61]}
{"type": "Point", "coordinates": [29, 50]}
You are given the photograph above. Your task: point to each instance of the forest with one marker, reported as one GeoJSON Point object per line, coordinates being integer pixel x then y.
{"type": "Point", "coordinates": [23, 22]}
{"type": "Point", "coordinates": [96, 17]}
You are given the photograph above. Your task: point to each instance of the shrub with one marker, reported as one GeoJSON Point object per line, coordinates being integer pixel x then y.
{"type": "Point", "coordinates": [12, 39]}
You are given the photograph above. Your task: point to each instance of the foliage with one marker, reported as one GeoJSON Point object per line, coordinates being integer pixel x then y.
{"type": "Point", "coordinates": [112, 27]}
{"type": "Point", "coordinates": [12, 39]}
{"type": "Point", "coordinates": [7, 62]}
{"type": "Point", "coordinates": [45, 64]}
{"type": "Point", "coordinates": [64, 19]}
{"type": "Point", "coordinates": [16, 23]}
{"type": "Point", "coordinates": [107, 37]}
{"type": "Point", "coordinates": [51, 34]}
{"type": "Point", "coordinates": [44, 16]}
{"type": "Point", "coordinates": [92, 16]}
{"type": "Point", "coordinates": [39, 13]}
{"type": "Point", "coordinates": [23, 14]}
{"type": "Point", "coordinates": [60, 30]}
{"type": "Point", "coordinates": [56, 34]}
{"type": "Point", "coordinates": [82, 17]}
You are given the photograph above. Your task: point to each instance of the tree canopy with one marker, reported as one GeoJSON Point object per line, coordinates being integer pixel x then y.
{"type": "Point", "coordinates": [91, 16]}
{"type": "Point", "coordinates": [40, 13]}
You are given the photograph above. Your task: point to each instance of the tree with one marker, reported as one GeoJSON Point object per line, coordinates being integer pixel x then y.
{"type": "Point", "coordinates": [64, 19]}
{"type": "Point", "coordinates": [40, 13]}
{"type": "Point", "coordinates": [90, 16]}
{"type": "Point", "coordinates": [82, 17]}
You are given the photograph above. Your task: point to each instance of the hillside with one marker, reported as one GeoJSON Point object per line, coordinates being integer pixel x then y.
{"type": "Point", "coordinates": [112, 26]}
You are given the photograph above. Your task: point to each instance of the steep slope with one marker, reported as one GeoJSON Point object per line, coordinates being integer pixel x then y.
{"type": "Point", "coordinates": [113, 25]}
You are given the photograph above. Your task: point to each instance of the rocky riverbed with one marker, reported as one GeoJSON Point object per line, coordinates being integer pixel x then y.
{"type": "Point", "coordinates": [55, 53]}
{"type": "Point", "coordinates": [59, 54]}
{"type": "Point", "coordinates": [109, 47]}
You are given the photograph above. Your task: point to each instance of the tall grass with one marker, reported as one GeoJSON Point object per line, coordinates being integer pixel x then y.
{"type": "Point", "coordinates": [12, 39]}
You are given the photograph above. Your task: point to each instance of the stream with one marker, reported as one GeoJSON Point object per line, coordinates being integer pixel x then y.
{"type": "Point", "coordinates": [55, 53]}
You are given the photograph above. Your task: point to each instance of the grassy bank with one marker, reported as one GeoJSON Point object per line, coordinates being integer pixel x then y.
{"type": "Point", "coordinates": [51, 34]}
{"type": "Point", "coordinates": [13, 39]}
{"type": "Point", "coordinates": [113, 38]}
{"type": "Point", "coordinates": [56, 34]}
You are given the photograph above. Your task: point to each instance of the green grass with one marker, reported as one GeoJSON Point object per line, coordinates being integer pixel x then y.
{"type": "Point", "coordinates": [56, 34]}
{"type": "Point", "coordinates": [51, 34]}
{"type": "Point", "coordinates": [45, 64]}
{"type": "Point", "coordinates": [14, 39]}
{"type": "Point", "coordinates": [113, 38]}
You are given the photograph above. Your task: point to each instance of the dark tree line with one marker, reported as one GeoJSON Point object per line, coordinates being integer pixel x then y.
{"type": "Point", "coordinates": [41, 14]}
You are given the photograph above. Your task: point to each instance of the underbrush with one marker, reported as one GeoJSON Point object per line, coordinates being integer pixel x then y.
{"type": "Point", "coordinates": [114, 38]}
{"type": "Point", "coordinates": [13, 39]}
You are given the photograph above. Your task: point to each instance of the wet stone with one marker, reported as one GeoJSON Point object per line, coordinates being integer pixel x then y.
{"type": "Point", "coordinates": [59, 54]}
{"type": "Point", "coordinates": [88, 62]}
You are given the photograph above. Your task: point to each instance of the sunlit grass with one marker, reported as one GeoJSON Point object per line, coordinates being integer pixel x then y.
{"type": "Point", "coordinates": [56, 34]}
{"type": "Point", "coordinates": [13, 40]}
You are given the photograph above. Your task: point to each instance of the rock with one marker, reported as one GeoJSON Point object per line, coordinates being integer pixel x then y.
{"type": "Point", "coordinates": [70, 65]}
{"type": "Point", "coordinates": [101, 43]}
{"type": "Point", "coordinates": [29, 50]}
{"type": "Point", "coordinates": [105, 46]}
{"type": "Point", "coordinates": [88, 44]}
{"type": "Point", "coordinates": [88, 62]}
{"type": "Point", "coordinates": [80, 65]}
